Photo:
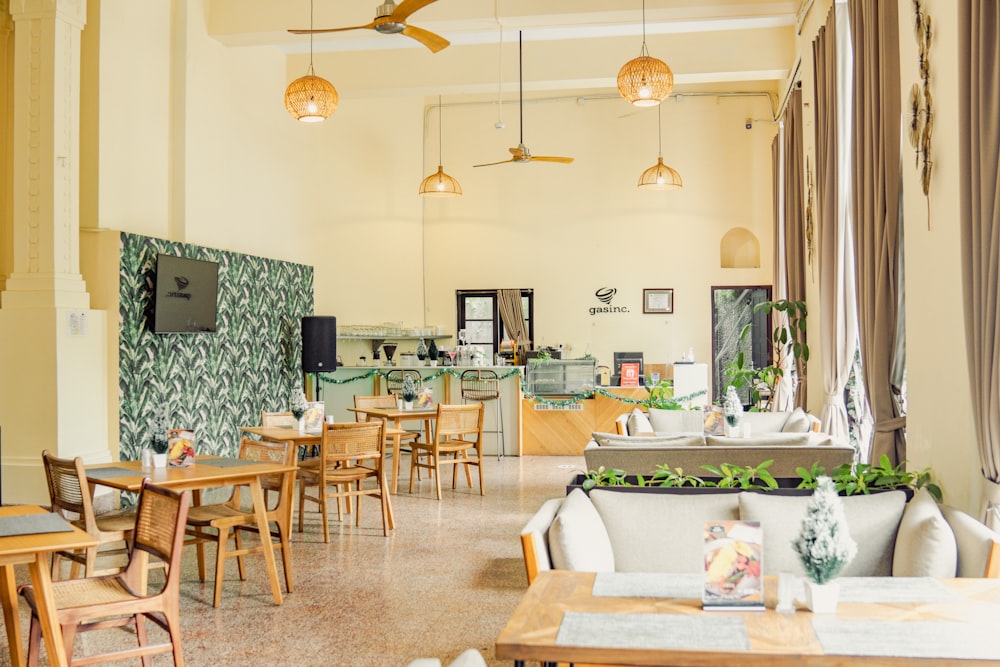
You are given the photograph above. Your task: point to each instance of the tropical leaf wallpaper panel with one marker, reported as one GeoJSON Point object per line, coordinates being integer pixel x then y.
{"type": "Point", "coordinates": [210, 382]}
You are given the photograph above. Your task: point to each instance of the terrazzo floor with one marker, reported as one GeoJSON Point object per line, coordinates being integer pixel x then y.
{"type": "Point", "coordinates": [446, 579]}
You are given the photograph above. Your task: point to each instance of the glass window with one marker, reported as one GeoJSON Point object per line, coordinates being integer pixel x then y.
{"type": "Point", "coordinates": [479, 317]}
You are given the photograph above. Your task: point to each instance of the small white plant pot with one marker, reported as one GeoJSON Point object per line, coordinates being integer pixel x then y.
{"type": "Point", "coordinates": [407, 405]}
{"type": "Point", "coordinates": [302, 424]}
{"type": "Point", "coordinates": [822, 598]}
{"type": "Point", "coordinates": [159, 460]}
{"type": "Point", "coordinates": [434, 363]}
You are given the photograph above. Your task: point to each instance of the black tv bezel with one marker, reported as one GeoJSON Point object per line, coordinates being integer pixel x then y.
{"type": "Point", "coordinates": [156, 328]}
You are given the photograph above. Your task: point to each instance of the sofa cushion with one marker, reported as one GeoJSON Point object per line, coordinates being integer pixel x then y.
{"type": "Point", "coordinates": [648, 440]}
{"type": "Point", "coordinates": [676, 421]}
{"type": "Point", "coordinates": [925, 543]}
{"type": "Point", "coordinates": [765, 422]}
{"type": "Point", "coordinates": [638, 423]}
{"type": "Point", "coordinates": [873, 521]}
{"type": "Point", "coordinates": [661, 532]}
{"type": "Point", "coordinates": [797, 422]}
{"type": "Point", "coordinates": [577, 537]}
{"type": "Point", "coordinates": [976, 542]}
{"type": "Point", "coordinates": [763, 440]}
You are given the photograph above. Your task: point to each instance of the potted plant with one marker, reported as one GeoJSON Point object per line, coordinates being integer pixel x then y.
{"type": "Point", "coordinates": [824, 546]}
{"type": "Point", "coordinates": [789, 341]}
{"type": "Point", "coordinates": [298, 406]}
{"type": "Point", "coordinates": [732, 408]}
{"type": "Point", "coordinates": [408, 392]}
{"type": "Point", "coordinates": [433, 353]}
{"type": "Point", "coordinates": [421, 351]}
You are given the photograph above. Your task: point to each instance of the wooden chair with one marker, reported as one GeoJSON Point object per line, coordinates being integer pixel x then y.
{"type": "Point", "coordinates": [394, 380]}
{"type": "Point", "coordinates": [349, 454]}
{"type": "Point", "coordinates": [72, 498]}
{"type": "Point", "coordinates": [96, 603]}
{"type": "Point", "coordinates": [457, 429]}
{"type": "Point", "coordinates": [269, 419]}
{"type": "Point", "coordinates": [230, 518]}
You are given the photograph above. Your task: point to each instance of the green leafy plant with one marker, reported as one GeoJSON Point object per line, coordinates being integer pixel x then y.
{"type": "Point", "coordinates": [298, 404]}
{"type": "Point", "coordinates": [544, 357]}
{"type": "Point", "coordinates": [854, 478]}
{"type": "Point", "coordinates": [788, 341]}
{"type": "Point", "coordinates": [604, 477]}
{"type": "Point", "coordinates": [744, 477]}
{"type": "Point", "coordinates": [665, 476]}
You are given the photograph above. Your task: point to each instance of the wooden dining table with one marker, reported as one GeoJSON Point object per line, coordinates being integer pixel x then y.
{"type": "Point", "coordinates": [32, 549]}
{"type": "Point", "coordinates": [397, 417]}
{"type": "Point", "coordinates": [282, 434]}
{"type": "Point", "coordinates": [206, 472]}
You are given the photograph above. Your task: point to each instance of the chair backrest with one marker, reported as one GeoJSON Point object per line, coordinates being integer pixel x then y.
{"type": "Point", "coordinates": [459, 421]}
{"type": "Point", "coordinates": [265, 451]}
{"type": "Point", "coordinates": [160, 521]}
{"type": "Point", "coordinates": [394, 379]}
{"type": "Point", "coordinates": [269, 419]}
{"type": "Point", "coordinates": [69, 493]}
{"type": "Point", "coordinates": [480, 385]}
{"type": "Point", "coordinates": [380, 401]}
{"type": "Point", "coordinates": [343, 442]}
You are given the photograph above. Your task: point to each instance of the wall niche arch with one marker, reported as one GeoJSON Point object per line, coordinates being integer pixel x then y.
{"type": "Point", "coordinates": [739, 249]}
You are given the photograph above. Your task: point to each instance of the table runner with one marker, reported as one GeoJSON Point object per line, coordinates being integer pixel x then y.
{"type": "Point", "coordinates": [652, 631]}
{"type": "Point", "coordinates": [893, 590]}
{"type": "Point", "coordinates": [33, 524]}
{"type": "Point", "coordinates": [111, 472]}
{"type": "Point", "coordinates": [907, 639]}
{"type": "Point", "coordinates": [648, 585]}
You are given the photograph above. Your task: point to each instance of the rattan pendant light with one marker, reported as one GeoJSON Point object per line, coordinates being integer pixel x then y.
{"type": "Point", "coordinates": [440, 184]}
{"type": "Point", "coordinates": [645, 81]}
{"type": "Point", "coordinates": [660, 176]}
{"type": "Point", "coordinates": [311, 98]}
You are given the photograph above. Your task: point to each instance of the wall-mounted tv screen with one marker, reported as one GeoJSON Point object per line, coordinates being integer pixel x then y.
{"type": "Point", "coordinates": [186, 299]}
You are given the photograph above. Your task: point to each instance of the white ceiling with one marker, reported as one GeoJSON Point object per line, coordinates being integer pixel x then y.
{"type": "Point", "coordinates": [569, 45]}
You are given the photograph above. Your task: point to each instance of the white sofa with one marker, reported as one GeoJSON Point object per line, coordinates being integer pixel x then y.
{"type": "Point", "coordinates": [676, 438]}
{"type": "Point", "coordinates": [627, 531]}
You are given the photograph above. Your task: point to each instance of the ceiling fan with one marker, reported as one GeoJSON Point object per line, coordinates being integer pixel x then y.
{"type": "Point", "coordinates": [390, 19]}
{"type": "Point", "coordinates": [520, 153]}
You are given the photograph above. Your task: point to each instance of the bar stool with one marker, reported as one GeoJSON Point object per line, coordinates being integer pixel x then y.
{"type": "Point", "coordinates": [479, 386]}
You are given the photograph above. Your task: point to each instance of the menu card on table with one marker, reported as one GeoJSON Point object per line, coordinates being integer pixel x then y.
{"type": "Point", "coordinates": [733, 565]}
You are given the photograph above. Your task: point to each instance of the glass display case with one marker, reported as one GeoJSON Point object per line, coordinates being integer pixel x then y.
{"type": "Point", "coordinates": [560, 377]}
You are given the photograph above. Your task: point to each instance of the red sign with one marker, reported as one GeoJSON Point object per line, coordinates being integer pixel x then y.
{"type": "Point", "coordinates": [630, 375]}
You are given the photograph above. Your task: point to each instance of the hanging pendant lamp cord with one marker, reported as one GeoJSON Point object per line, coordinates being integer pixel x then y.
{"type": "Point", "coordinates": [644, 51]}
{"type": "Point", "coordinates": [440, 131]}
{"type": "Point", "coordinates": [659, 130]}
{"type": "Point", "coordinates": [311, 71]}
{"type": "Point", "coordinates": [520, 84]}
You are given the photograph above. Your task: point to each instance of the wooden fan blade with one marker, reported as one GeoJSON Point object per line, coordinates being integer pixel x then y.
{"type": "Point", "coordinates": [407, 7]}
{"type": "Point", "coordinates": [433, 42]}
{"type": "Point", "coordinates": [549, 158]}
{"type": "Point", "coordinates": [490, 164]}
{"type": "Point", "coordinates": [370, 26]}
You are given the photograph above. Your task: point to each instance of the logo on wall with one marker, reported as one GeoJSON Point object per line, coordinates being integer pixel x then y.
{"type": "Point", "coordinates": [605, 295]}
{"type": "Point", "coordinates": [181, 282]}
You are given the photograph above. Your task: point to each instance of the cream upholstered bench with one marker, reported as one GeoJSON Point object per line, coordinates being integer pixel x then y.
{"type": "Point", "coordinates": [626, 531]}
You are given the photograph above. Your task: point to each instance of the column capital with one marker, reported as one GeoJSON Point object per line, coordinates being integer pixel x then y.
{"type": "Point", "coordinates": [71, 11]}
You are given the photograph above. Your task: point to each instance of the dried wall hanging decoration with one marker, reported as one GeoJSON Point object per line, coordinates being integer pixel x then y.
{"type": "Point", "coordinates": [921, 126]}
{"type": "Point", "coordinates": [810, 246]}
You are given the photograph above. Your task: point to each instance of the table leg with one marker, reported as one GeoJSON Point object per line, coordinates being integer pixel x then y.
{"type": "Point", "coordinates": [260, 511]}
{"type": "Point", "coordinates": [397, 444]}
{"type": "Point", "coordinates": [8, 596]}
{"type": "Point", "coordinates": [46, 605]}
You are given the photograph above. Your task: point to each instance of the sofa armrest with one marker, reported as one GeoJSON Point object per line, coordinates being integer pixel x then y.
{"type": "Point", "coordinates": [535, 539]}
{"type": "Point", "coordinates": [978, 545]}
{"type": "Point", "coordinates": [621, 424]}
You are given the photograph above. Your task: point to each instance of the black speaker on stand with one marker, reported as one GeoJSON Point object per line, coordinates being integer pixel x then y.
{"type": "Point", "coordinates": [319, 346]}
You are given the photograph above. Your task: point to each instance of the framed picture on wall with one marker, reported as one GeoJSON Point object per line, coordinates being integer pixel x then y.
{"type": "Point", "coordinates": [657, 301]}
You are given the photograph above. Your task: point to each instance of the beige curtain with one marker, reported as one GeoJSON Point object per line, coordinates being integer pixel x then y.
{"type": "Point", "coordinates": [836, 266]}
{"type": "Point", "coordinates": [512, 314]}
{"type": "Point", "coordinates": [876, 190]}
{"type": "Point", "coordinates": [979, 146]}
{"type": "Point", "coordinates": [795, 223]}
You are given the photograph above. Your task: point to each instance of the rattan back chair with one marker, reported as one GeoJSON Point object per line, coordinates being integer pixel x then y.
{"type": "Point", "coordinates": [96, 603]}
{"type": "Point", "coordinates": [394, 380]}
{"type": "Point", "coordinates": [269, 419]}
{"type": "Point", "coordinates": [218, 523]}
{"type": "Point", "coordinates": [350, 454]}
{"type": "Point", "coordinates": [72, 498]}
{"type": "Point", "coordinates": [479, 385]}
{"type": "Point", "coordinates": [458, 430]}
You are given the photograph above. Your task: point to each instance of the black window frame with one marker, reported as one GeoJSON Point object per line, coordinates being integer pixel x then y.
{"type": "Point", "coordinates": [498, 327]}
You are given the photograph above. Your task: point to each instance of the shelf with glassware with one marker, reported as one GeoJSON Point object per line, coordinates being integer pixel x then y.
{"type": "Point", "coordinates": [338, 395]}
{"type": "Point", "coordinates": [378, 341]}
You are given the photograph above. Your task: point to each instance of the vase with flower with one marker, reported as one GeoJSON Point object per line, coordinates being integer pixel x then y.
{"type": "Point", "coordinates": [408, 392]}
{"type": "Point", "coordinates": [298, 406]}
{"type": "Point", "coordinates": [824, 547]}
{"type": "Point", "coordinates": [732, 408]}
